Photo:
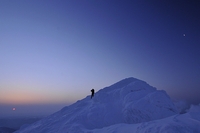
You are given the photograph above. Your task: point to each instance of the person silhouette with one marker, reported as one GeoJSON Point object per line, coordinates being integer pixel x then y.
{"type": "Point", "coordinates": [92, 95]}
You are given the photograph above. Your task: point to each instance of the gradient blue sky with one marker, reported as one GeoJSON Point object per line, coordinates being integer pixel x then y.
{"type": "Point", "coordinates": [55, 51]}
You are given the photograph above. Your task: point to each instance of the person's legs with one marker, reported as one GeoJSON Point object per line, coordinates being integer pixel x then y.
{"type": "Point", "coordinates": [92, 95]}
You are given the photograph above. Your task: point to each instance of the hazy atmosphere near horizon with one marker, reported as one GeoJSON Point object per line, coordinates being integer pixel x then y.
{"type": "Point", "coordinates": [53, 52]}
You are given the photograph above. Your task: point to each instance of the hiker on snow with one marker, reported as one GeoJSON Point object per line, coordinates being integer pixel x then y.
{"type": "Point", "coordinates": [92, 95]}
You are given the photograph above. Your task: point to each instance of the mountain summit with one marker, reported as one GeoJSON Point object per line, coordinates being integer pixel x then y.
{"type": "Point", "coordinates": [128, 101]}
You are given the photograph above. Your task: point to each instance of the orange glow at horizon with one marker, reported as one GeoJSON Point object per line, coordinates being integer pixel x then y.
{"type": "Point", "coordinates": [33, 96]}
{"type": "Point", "coordinates": [22, 98]}
{"type": "Point", "coordinates": [24, 93]}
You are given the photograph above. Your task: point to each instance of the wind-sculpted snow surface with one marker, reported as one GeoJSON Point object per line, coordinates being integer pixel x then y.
{"type": "Point", "coordinates": [129, 101]}
{"type": "Point", "coordinates": [180, 123]}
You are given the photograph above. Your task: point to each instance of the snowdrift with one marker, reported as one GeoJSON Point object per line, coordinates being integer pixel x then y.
{"type": "Point", "coordinates": [129, 105]}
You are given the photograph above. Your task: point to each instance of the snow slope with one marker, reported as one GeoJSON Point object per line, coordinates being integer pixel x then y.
{"type": "Point", "coordinates": [6, 130]}
{"type": "Point", "coordinates": [126, 106]}
{"type": "Point", "coordinates": [180, 123]}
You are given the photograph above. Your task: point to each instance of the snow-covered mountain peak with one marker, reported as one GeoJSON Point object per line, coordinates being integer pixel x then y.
{"type": "Point", "coordinates": [127, 101]}
{"type": "Point", "coordinates": [124, 83]}
{"type": "Point", "coordinates": [129, 89]}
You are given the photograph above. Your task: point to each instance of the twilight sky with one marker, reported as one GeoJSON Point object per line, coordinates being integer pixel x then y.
{"type": "Point", "coordinates": [55, 51]}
